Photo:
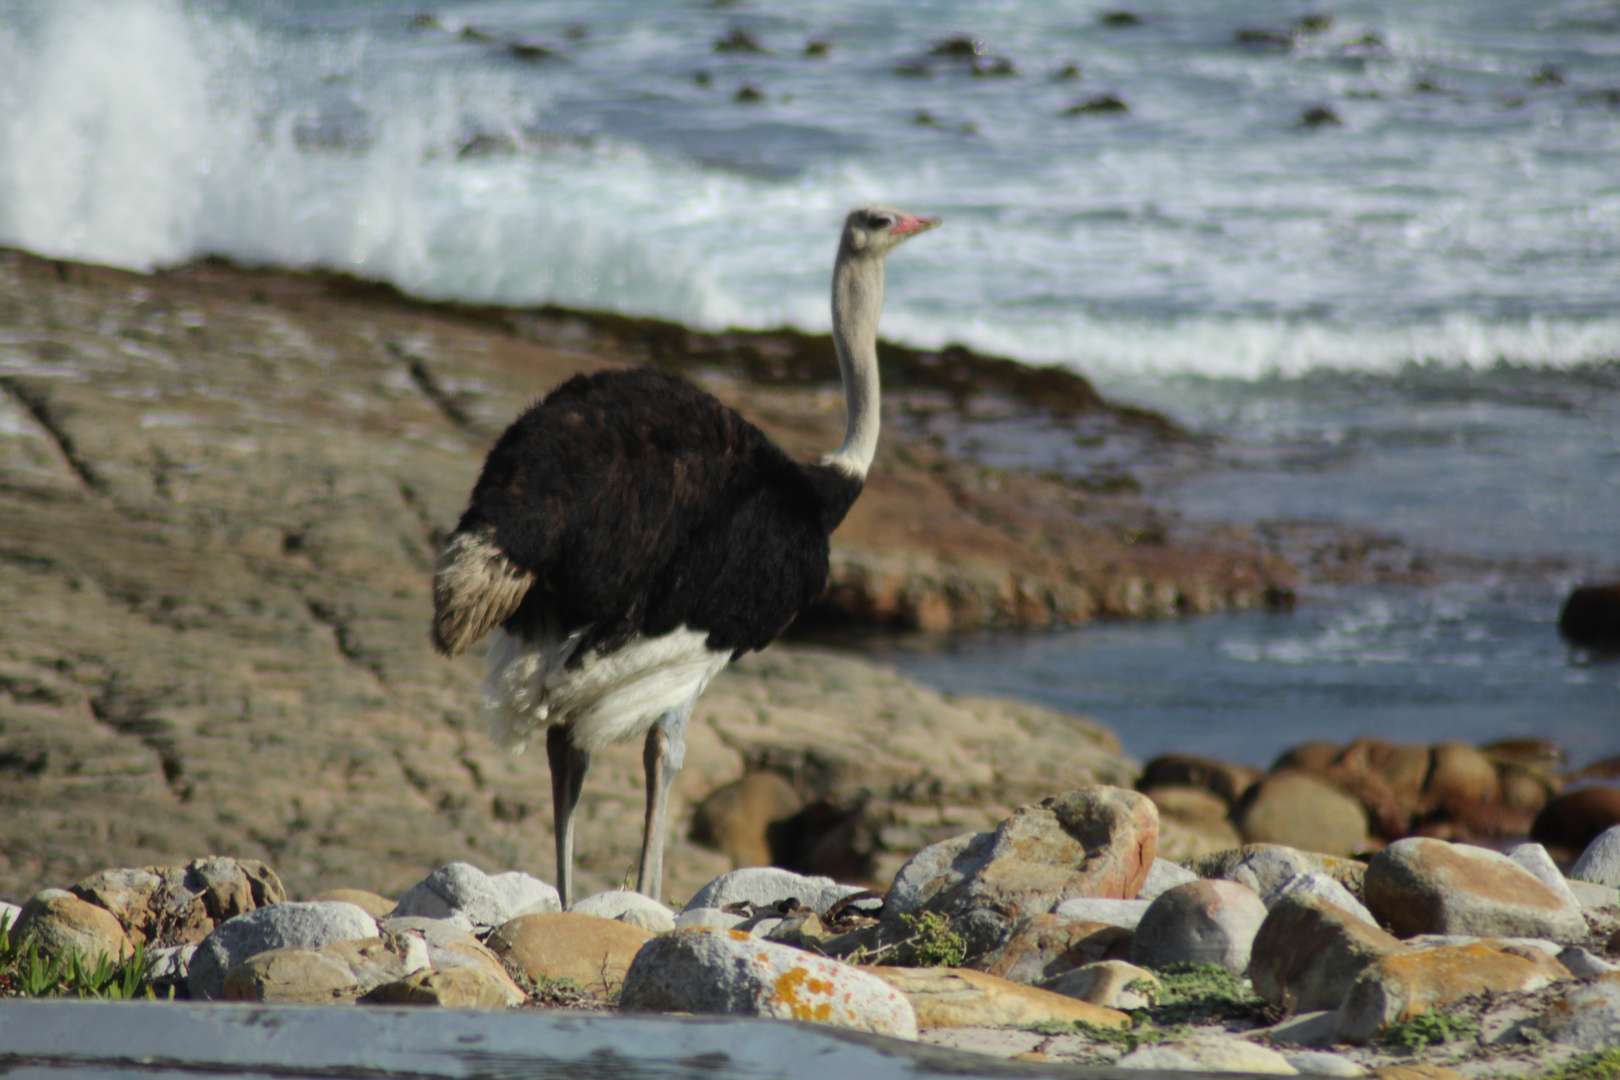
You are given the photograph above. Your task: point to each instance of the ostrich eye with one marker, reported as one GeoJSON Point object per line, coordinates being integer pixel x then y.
{"type": "Point", "coordinates": [881, 221]}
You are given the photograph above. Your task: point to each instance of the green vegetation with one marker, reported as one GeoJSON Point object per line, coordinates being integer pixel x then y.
{"type": "Point", "coordinates": [1600, 1065]}
{"type": "Point", "coordinates": [932, 942]}
{"type": "Point", "coordinates": [1430, 1029]}
{"type": "Point", "coordinates": [26, 972]}
{"type": "Point", "coordinates": [1198, 993]}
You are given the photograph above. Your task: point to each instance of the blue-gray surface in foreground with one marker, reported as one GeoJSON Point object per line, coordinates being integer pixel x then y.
{"type": "Point", "coordinates": [56, 1039]}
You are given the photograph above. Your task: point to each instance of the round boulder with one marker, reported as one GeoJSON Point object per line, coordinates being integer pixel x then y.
{"type": "Point", "coordinates": [1423, 886]}
{"type": "Point", "coordinates": [592, 952]}
{"type": "Point", "coordinates": [1590, 618]}
{"type": "Point", "coordinates": [278, 926]}
{"type": "Point", "coordinates": [61, 924]}
{"type": "Point", "coordinates": [1202, 922]}
{"type": "Point", "coordinates": [1573, 820]}
{"type": "Point", "coordinates": [1600, 862]}
{"type": "Point", "coordinates": [1302, 811]}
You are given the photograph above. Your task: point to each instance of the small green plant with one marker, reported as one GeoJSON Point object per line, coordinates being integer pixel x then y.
{"type": "Point", "coordinates": [27, 972]}
{"type": "Point", "coordinates": [1194, 993]}
{"type": "Point", "coordinates": [1430, 1029]}
{"type": "Point", "coordinates": [932, 942]}
{"type": "Point", "coordinates": [1600, 1065]}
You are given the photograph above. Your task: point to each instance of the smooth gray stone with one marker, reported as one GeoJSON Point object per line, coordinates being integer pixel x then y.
{"type": "Point", "coordinates": [483, 899]}
{"type": "Point", "coordinates": [1126, 913]}
{"type": "Point", "coordinates": [1534, 858]}
{"type": "Point", "coordinates": [1319, 884]}
{"type": "Point", "coordinates": [1600, 862]}
{"type": "Point", "coordinates": [311, 924]}
{"type": "Point", "coordinates": [628, 907]}
{"type": "Point", "coordinates": [1315, 1029]}
{"type": "Point", "coordinates": [188, 1041]}
{"type": "Point", "coordinates": [1162, 875]}
{"type": "Point", "coordinates": [1594, 897]}
{"type": "Point", "coordinates": [763, 886]}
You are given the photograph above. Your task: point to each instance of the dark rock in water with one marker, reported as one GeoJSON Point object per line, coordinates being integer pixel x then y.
{"type": "Point", "coordinates": [924, 118]}
{"type": "Point", "coordinates": [532, 51]}
{"type": "Point", "coordinates": [425, 20]}
{"type": "Point", "coordinates": [473, 33]}
{"type": "Point", "coordinates": [1590, 618]}
{"type": "Point", "coordinates": [1426, 85]}
{"type": "Point", "coordinates": [1264, 38]}
{"type": "Point", "coordinates": [1572, 821]}
{"type": "Point", "coordinates": [487, 144]}
{"type": "Point", "coordinates": [1101, 105]}
{"type": "Point", "coordinates": [1319, 23]}
{"type": "Point", "coordinates": [748, 94]}
{"type": "Point", "coordinates": [1609, 95]}
{"type": "Point", "coordinates": [958, 48]}
{"type": "Point", "coordinates": [1320, 116]}
{"type": "Point", "coordinates": [1120, 19]}
{"type": "Point", "coordinates": [1067, 73]}
{"type": "Point", "coordinates": [1547, 75]}
{"type": "Point", "coordinates": [994, 67]}
{"type": "Point", "coordinates": [739, 41]}
{"type": "Point", "coordinates": [818, 48]}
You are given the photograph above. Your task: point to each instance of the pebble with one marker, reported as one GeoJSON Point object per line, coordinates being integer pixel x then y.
{"type": "Point", "coordinates": [1422, 886]}
{"type": "Point", "coordinates": [486, 901]}
{"type": "Point", "coordinates": [593, 953]}
{"type": "Point", "coordinates": [311, 924]}
{"type": "Point", "coordinates": [1202, 922]}
{"type": "Point", "coordinates": [1600, 862]}
{"type": "Point", "coordinates": [1208, 1053]}
{"type": "Point", "coordinates": [727, 972]}
{"type": "Point", "coordinates": [944, 997]}
{"type": "Point", "coordinates": [627, 907]}
{"type": "Point", "coordinates": [767, 886]}
{"type": "Point", "coordinates": [1164, 874]}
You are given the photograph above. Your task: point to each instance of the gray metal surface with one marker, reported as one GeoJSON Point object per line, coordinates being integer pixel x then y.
{"type": "Point", "coordinates": [50, 1040]}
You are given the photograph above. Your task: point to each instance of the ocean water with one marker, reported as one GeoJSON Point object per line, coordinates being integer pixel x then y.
{"type": "Point", "coordinates": [1406, 316]}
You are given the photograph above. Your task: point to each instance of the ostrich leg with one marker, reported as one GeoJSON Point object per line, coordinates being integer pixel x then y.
{"type": "Point", "coordinates": [568, 767]}
{"type": "Point", "coordinates": [664, 753]}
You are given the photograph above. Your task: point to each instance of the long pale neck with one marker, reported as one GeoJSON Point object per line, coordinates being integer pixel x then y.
{"type": "Point", "coordinates": [857, 300]}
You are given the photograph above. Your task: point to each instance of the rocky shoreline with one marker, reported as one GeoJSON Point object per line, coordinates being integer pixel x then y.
{"type": "Point", "coordinates": [1057, 935]}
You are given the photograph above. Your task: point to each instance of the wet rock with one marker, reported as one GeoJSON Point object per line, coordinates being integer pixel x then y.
{"type": "Point", "coordinates": [1600, 861]}
{"type": "Point", "coordinates": [627, 907]}
{"type": "Point", "coordinates": [1208, 1053]}
{"type": "Point", "coordinates": [1590, 617]}
{"type": "Point", "coordinates": [532, 52]}
{"type": "Point", "coordinates": [173, 905]}
{"type": "Point", "coordinates": [1398, 988]}
{"type": "Point", "coordinates": [1090, 842]}
{"type": "Point", "coordinates": [1320, 116]}
{"type": "Point", "coordinates": [818, 48]}
{"type": "Point", "coordinates": [733, 818]}
{"type": "Point", "coordinates": [739, 40]}
{"type": "Point", "coordinates": [1113, 984]}
{"type": "Point", "coordinates": [1165, 874]}
{"type": "Point", "coordinates": [993, 67]}
{"type": "Point", "coordinates": [957, 48]}
{"type": "Point", "coordinates": [1098, 105]}
{"type": "Point", "coordinates": [961, 997]}
{"type": "Point", "coordinates": [1573, 820]}
{"type": "Point", "coordinates": [1302, 811]}
{"type": "Point", "coordinates": [378, 907]}
{"type": "Point", "coordinates": [484, 900]}
{"type": "Point", "coordinates": [1264, 38]}
{"type": "Point", "coordinates": [1069, 72]}
{"type": "Point", "coordinates": [1048, 945]}
{"type": "Point", "coordinates": [279, 926]}
{"type": "Point", "coordinates": [1309, 952]}
{"type": "Point", "coordinates": [1422, 886]}
{"type": "Point", "coordinates": [1126, 913]}
{"type": "Point", "coordinates": [1203, 922]}
{"type": "Point", "coordinates": [729, 973]}
{"type": "Point", "coordinates": [62, 924]}
{"type": "Point", "coordinates": [768, 886]}
{"type": "Point", "coordinates": [341, 972]}
{"type": "Point", "coordinates": [748, 94]}
{"type": "Point", "coordinates": [1120, 19]}
{"type": "Point", "coordinates": [1586, 1017]}
{"type": "Point", "coordinates": [1547, 75]}
{"type": "Point", "coordinates": [1315, 23]}
{"type": "Point", "coordinates": [592, 952]}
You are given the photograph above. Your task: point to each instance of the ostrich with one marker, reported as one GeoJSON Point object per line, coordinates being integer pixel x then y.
{"type": "Point", "coordinates": [630, 535]}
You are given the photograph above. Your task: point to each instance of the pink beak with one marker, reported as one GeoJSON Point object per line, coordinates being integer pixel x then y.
{"type": "Point", "coordinates": [908, 225]}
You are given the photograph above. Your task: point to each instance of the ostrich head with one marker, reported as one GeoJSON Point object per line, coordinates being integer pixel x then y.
{"type": "Point", "coordinates": [873, 231]}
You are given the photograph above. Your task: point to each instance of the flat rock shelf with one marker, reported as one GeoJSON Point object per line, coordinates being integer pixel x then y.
{"type": "Point", "coordinates": [52, 1039]}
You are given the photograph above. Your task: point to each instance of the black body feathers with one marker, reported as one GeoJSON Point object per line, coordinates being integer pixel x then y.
{"type": "Point", "coordinates": [639, 504]}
